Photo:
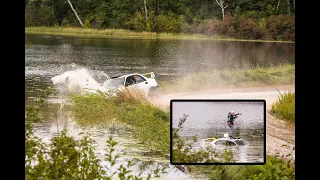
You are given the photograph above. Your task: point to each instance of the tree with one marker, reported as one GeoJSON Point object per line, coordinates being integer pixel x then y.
{"type": "Point", "coordinates": [222, 7]}
{"type": "Point", "coordinates": [75, 12]}
{"type": "Point", "coordinates": [278, 5]}
{"type": "Point", "coordinates": [294, 5]}
{"type": "Point", "coordinates": [288, 2]}
{"type": "Point", "coordinates": [145, 9]}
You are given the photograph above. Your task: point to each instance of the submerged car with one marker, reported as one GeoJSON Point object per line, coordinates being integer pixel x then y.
{"type": "Point", "coordinates": [225, 141]}
{"type": "Point", "coordinates": [144, 82]}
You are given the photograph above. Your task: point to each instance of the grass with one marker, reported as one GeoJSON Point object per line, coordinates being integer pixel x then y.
{"type": "Point", "coordinates": [284, 108]}
{"type": "Point", "coordinates": [282, 74]}
{"type": "Point", "coordinates": [122, 33]}
{"type": "Point", "coordinates": [275, 168]}
{"type": "Point", "coordinates": [144, 121]}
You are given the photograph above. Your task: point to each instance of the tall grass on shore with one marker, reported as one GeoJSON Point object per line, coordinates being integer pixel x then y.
{"type": "Point", "coordinates": [275, 168]}
{"type": "Point", "coordinates": [145, 121]}
{"type": "Point", "coordinates": [284, 108]}
{"type": "Point", "coordinates": [275, 75]}
{"type": "Point", "coordinates": [122, 33]}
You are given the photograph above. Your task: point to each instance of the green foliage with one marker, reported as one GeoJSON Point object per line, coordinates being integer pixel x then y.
{"type": "Point", "coordinates": [276, 167]}
{"type": "Point", "coordinates": [281, 27]}
{"type": "Point", "coordinates": [38, 14]}
{"type": "Point", "coordinates": [249, 29]}
{"type": "Point", "coordinates": [184, 153]}
{"type": "Point", "coordinates": [147, 122]}
{"type": "Point", "coordinates": [171, 17]}
{"type": "Point", "coordinates": [87, 24]}
{"type": "Point", "coordinates": [284, 108]}
{"type": "Point", "coordinates": [136, 22]}
{"type": "Point", "coordinates": [68, 158]}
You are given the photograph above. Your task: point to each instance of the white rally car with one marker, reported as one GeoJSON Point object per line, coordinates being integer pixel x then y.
{"type": "Point", "coordinates": [144, 82]}
{"type": "Point", "coordinates": [225, 141]}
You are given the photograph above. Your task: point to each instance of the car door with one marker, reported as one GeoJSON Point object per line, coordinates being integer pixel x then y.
{"type": "Point", "coordinates": [142, 83]}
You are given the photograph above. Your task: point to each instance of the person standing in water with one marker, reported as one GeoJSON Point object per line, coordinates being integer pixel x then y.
{"type": "Point", "coordinates": [231, 117]}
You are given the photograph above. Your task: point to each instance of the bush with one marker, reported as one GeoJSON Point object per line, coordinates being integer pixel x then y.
{"type": "Point", "coordinates": [281, 27]}
{"type": "Point", "coordinates": [227, 26]}
{"type": "Point", "coordinates": [136, 23]}
{"type": "Point", "coordinates": [249, 29]}
{"type": "Point", "coordinates": [276, 167]}
{"type": "Point", "coordinates": [87, 24]}
{"type": "Point", "coordinates": [166, 23]}
{"type": "Point", "coordinates": [284, 108]}
{"type": "Point", "coordinates": [213, 27]}
{"type": "Point", "coordinates": [38, 15]}
{"type": "Point", "coordinates": [67, 158]}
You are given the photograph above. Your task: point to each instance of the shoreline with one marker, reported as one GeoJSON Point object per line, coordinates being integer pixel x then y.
{"type": "Point", "coordinates": [126, 34]}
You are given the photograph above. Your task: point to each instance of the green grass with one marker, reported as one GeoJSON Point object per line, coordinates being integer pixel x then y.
{"type": "Point", "coordinates": [122, 33]}
{"type": "Point", "coordinates": [275, 168]}
{"type": "Point", "coordinates": [143, 120]}
{"type": "Point", "coordinates": [284, 108]}
{"type": "Point", "coordinates": [276, 75]}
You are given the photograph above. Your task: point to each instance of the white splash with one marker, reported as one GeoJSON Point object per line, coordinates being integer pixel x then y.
{"type": "Point", "coordinates": [77, 81]}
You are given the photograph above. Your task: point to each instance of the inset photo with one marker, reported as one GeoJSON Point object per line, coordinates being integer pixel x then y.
{"type": "Point", "coordinates": [218, 132]}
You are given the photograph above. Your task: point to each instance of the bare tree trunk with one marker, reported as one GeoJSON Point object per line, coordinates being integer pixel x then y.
{"type": "Point", "coordinates": [294, 5]}
{"type": "Point", "coordinates": [145, 8]}
{"type": "Point", "coordinates": [222, 7]}
{"type": "Point", "coordinates": [278, 5]}
{"type": "Point", "coordinates": [75, 12]}
{"type": "Point", "coordinates": [288, 2]}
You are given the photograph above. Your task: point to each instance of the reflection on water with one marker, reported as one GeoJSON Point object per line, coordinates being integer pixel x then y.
{"type": "Point", "coordinates": [209, 119]}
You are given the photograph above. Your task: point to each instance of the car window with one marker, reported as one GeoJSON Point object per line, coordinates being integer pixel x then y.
{"type": "Point", "coordinates": [130, 80]}
{"type": "Point", "coordinates": [116, 82]}
{"type": "Point", "coordinates": [240, 142]}
{"type": "Point", "coordinates": [219, 142]}
{"type": "Point", "coordinates": [230, 143]}
{"type": "Point", "coordinates": [225, 142]}
{"type": "Point", "coordinates": [139, 79]}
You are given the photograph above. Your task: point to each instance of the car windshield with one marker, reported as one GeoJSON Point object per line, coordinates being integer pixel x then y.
{"type": "Point", "coordinates": [116, 82]}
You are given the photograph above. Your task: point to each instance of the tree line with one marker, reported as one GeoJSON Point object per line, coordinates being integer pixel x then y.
{"type": "Point", "coordinates": [244, 19]}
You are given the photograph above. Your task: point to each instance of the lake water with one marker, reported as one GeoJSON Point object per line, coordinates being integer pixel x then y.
{"type": "Point", "coordinates": [49, 56]}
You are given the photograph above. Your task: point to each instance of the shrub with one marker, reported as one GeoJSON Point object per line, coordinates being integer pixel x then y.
{"type": "Point", "coordinates": [281, 27]}
{"type": "Point", "coordinates": [68, 158]}
{"type": "Point", "coordinates": [284, 108]}
{"type": "Point", "coordinates": [249, 29]}
{"type": "Point", "coordinates": [87, 24]}
{"type": "Point", "coordinates": [227, 26]}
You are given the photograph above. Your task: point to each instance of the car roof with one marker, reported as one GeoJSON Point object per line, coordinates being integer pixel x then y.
{"type": "Point", "coordinates": [119, 76]}
{"type": "Point", "coordinates": [229, 139]}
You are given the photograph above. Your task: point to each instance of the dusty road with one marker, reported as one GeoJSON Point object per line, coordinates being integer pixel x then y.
{"type": "Point", "coordinates": [279, 132]}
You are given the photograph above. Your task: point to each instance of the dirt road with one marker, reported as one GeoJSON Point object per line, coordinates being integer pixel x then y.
{"type": "Point", "coordinates": [279, 132]}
